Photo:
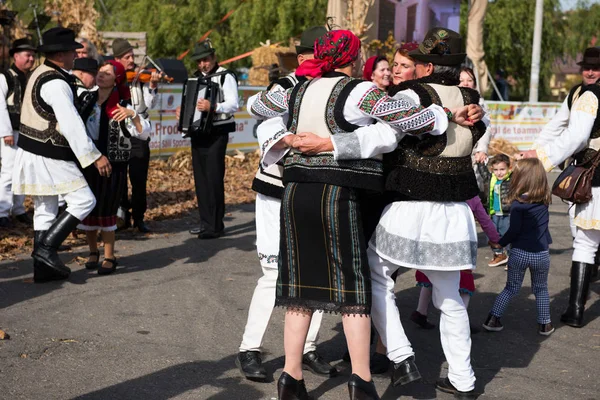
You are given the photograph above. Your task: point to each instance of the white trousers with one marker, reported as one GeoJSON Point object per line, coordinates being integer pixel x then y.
{"type": "Point", "coordinates": [80, 203]}
{"type": "Point", "coordinates": [9, 203]}
{"type": "Point", "coordinates": [585, 245]}
{"type": "Point", "coordinates": [263, 300]}
{"type": "Point", "coordinates": [455, 333]}
{"type": "Point", "coordinates": [572, 219]}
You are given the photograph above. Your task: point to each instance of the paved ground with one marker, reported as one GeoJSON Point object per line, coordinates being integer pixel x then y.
{"type": "Point", "coordinates": [168, 325]}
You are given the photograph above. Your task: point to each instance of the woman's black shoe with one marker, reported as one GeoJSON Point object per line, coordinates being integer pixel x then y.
{"type": "Point", "coordinates": [359, 389]}
{"type": "Point", "coordinates": [106, 271]}
{"type": "Point", "coordinates": [93, 264]}
{"type": "Point", "coordinates": [289, 388]}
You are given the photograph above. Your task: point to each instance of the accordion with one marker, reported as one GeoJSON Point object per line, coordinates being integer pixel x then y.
{"type": "Point", "coordinates": [191, 121]}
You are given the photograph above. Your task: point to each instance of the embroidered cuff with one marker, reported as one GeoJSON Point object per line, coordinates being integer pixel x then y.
{"type": "Point", "coordinates": [89, 158]}
{"type": "Point", "coordinates": [271, 156]}
{"type": "Point", "coordinates": [543, 157]}
{"type": "Point", "coordinates": [448, 113]}
{"type": "Point", "coordinates": [346, 146]}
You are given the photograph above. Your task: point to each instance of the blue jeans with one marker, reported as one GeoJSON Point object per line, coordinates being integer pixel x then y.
{"type": "Point", "coordinates": [501, 222]}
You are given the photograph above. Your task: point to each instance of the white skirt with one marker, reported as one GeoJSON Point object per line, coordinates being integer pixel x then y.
{"type": "Point", "coordinates": [427, 235]}
{"type": "Point", "coordinates": [587, 216]}
{"type": "Point", "coordinates": [42, 176]}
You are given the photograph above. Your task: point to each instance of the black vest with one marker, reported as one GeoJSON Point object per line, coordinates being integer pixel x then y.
{"type": "Point", "coordinates": [586, 155]}
{"type": "Point", "coordinates": [16, 81]}
{"type": "Point", "coordinates": [416, 171]}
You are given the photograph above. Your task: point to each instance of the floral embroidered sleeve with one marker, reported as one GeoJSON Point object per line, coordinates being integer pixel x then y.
{"type": "Point", "coordinates": [402, 113]}
{"type": "Point", "coordinates": [269, 104]}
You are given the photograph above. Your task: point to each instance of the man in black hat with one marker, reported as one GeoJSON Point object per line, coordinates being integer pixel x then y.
{"type": "Point", "coordinates": [85, 71]}
{"type": "Point", "coordinates": [12, 86]}
{"type": "Point", "coordinates": [52, 142]}
{"type": "Point", "coordinates": [143, 98]}
{"type": "Point", "coordinates": [208, 148]}
{"type": "Point", "coordinates": [269, 188]}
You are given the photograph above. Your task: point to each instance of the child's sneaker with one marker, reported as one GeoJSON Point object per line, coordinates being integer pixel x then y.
{"type": "Point", "coordinates": [545, 329]}
{"type": "Point", "coordinates": [493, 324]}
{"type": "Point", "coordinates": [499, 259]}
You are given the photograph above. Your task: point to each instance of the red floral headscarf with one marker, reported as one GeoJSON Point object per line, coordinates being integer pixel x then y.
{"type": "Point", "coordinates": [333, 50]}
{"type": "Point", "coordinates": [121, 91]}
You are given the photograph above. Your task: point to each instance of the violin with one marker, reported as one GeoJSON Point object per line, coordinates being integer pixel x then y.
{"type": "Point", "coordinates": [144, 75]}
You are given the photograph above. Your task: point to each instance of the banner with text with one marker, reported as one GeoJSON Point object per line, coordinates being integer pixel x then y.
{"type": "Point", "coordinates": [167, 140]}
{"type": "Point", "coordinates": [519, 123]}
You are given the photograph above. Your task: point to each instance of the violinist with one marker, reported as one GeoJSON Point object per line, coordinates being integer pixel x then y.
{"type": "Point", "coordinates": [143, 98]}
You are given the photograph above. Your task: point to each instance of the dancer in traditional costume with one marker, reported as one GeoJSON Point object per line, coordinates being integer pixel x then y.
{"type": "Point", "coordinates": [269, 187]}
{"type": "Point", "coordinates": [117, 125]}
{"type": "Point", "coordinates": [323, 263]}
{"type": "Point", "coordinates": [12, 90]}
{"type": "Point", "coordinates": [52, 141]}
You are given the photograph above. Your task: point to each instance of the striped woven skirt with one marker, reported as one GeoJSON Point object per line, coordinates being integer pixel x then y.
{"type": "Point", "coordinates": [322, 263]}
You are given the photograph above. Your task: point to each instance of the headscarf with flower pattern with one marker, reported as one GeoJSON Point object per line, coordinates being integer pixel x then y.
{"type": "Point", "coordinates": [333, 50]}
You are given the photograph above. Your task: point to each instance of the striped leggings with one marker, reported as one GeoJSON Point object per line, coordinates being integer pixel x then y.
{"type": "Point", "coordinates": [539, 265]}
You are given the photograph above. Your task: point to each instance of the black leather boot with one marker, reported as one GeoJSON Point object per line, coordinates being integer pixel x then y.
{"type": "Point", "coordinates": [359, 389]}
{"type": "Point", "coordinates": [289, 388]}
{"type": "Point", "coordinates": [580, 282]}
{"type": "Point", "coordinates": [42, 273]}
{"type": "Point", "coordinates": [46, 252]}
{"type": "Point", "coordinates": [405, 372]}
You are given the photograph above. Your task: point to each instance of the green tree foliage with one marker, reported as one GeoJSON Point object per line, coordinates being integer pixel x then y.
{"type": "Point", "coordinates": [174, 26]}
{"type": "Point", "coordinates": [582, 27]}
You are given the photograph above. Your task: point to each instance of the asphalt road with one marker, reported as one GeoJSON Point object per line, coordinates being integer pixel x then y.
{"type": "Point", "coordinates": [168, 325]}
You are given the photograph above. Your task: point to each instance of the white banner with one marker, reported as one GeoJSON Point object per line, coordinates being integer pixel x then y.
{"type": "Point", "coordinates": [518, 123]}
{"type": "Point", "coordinates": [167, 140]}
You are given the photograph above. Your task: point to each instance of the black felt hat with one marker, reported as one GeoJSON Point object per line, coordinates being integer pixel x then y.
{"type": "Point", "coordinates": [307, 40]}
{"type": "Point", "coordinates": [441, 46]}
{"type": "Point", "coordinates": [591, 57]}
{"type": "Point", "coordinates": [86, 64]}
{"type": "Point", "coordinates": [22, 45]}
{"type": "Point", "coordinates": [202, 49]}
{"type": "Point", "coordinates": [59, 39]}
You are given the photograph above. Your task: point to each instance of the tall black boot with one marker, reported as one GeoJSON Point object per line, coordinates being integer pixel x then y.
{"type": "Point", "coordinates": [580, 283]}
{"type": "Point", "coordinates": [46, 252]}
{"type": "Point", "coordinates": [41, 273]}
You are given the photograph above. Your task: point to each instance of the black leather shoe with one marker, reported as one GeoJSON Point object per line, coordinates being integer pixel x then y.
{"type": "Point", "coordinates": [141, 226]}
{"type": "Point", "coordinates": [102, 270]}
{"type": "Point", "coordinates": [250, 365]}
{"type": "Point", "coordinates": [5, 222]}
{"type": "Point", "coordinates": [197, 230]}
{"type": "Point", "coordinates": [445, 386]}
{"type": "Point", "coordinates": [313, 362]}
{"type": "Point", "coordinates": [405, 372]}
{"type": "Point", "coordinates": [24, 219]}
{"type": "Point", "coordinates": [379, 364]}
{"type": "Point", "coordinates": [421, 320]}
{"type": "Point", "coordinates": [359, 389]}
{"type": "Point", "coordinates": [210, 235]}
{"type": "Point", "coordinates": [290, 389]}
{"type": "Point", "coordinates": [581, 274]}
{"type": "Point", "coordinates": [46, 252]}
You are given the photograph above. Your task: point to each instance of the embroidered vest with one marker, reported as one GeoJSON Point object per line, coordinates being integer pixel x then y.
{"type": "Point", "coordinates": [317, 106]}
{"type": "Point", "coordinates": [436, 168]}
{"type": "Point", "coordinates": [39, 130]}
{"type": "Point", "coordinates": [14, 97]}
{"type": "Point", "coordinates": [222, 121]}
{"type": "Point", "coordinates": [587, 154]}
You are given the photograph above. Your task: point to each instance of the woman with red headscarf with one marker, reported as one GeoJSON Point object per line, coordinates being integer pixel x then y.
{"type": "Point", "coordinates": [322, 262]}
{"type": "Point", "coordinates": [118, 122]}
{"type": "Point", "coordinates": [377, 70]}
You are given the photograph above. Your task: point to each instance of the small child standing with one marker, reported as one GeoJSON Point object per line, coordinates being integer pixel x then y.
{"type": "Point", "coordinates": [530, 238]}
{"type": "Point", "coordinates": [499, 207]}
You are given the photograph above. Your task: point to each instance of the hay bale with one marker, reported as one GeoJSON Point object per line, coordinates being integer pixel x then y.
{"type": "Point", "coordinates": [264, 57]}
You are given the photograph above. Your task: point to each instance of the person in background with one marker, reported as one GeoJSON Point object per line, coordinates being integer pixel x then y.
{"type": "Point", "coordinates": [403, 68]}
{"type": "Point", "coordinates": [529, 236]}
{"type": "Point", "coordinates": [498, 206]}
{"type": "Point", "coordinates": [88, 50]}
{"type": "Point", "coordinates": [12, 90]}
{"type": "Point", "coordinates": [377, 70]}
{"type": "Point", "coordinates": [85, 71]}
{"type": "Point", "coordinates": [502, 85]}
{"type": "Point", "coordinates": [117, 125]}
{"type": "Point", "coordinates": [143, 98]}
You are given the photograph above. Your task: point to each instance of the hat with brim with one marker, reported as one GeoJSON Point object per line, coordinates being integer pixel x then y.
{"type": "Point", "coordinates": [307, 40]}
{"type": "Point", "coordinates": [86, 65]}
{"type": "Point", "coordinates": [120, 47]}
{"type": "Point", "coordinates": [202, 50]}
{"type": "Point", "coordinates": [441, 46]}
{"type": "Point", "coordinates": [591, 57]}
{"type": "Point", "coordinates": [21, 45]}
{"type": "Point", "coordinates": [57, 40]}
